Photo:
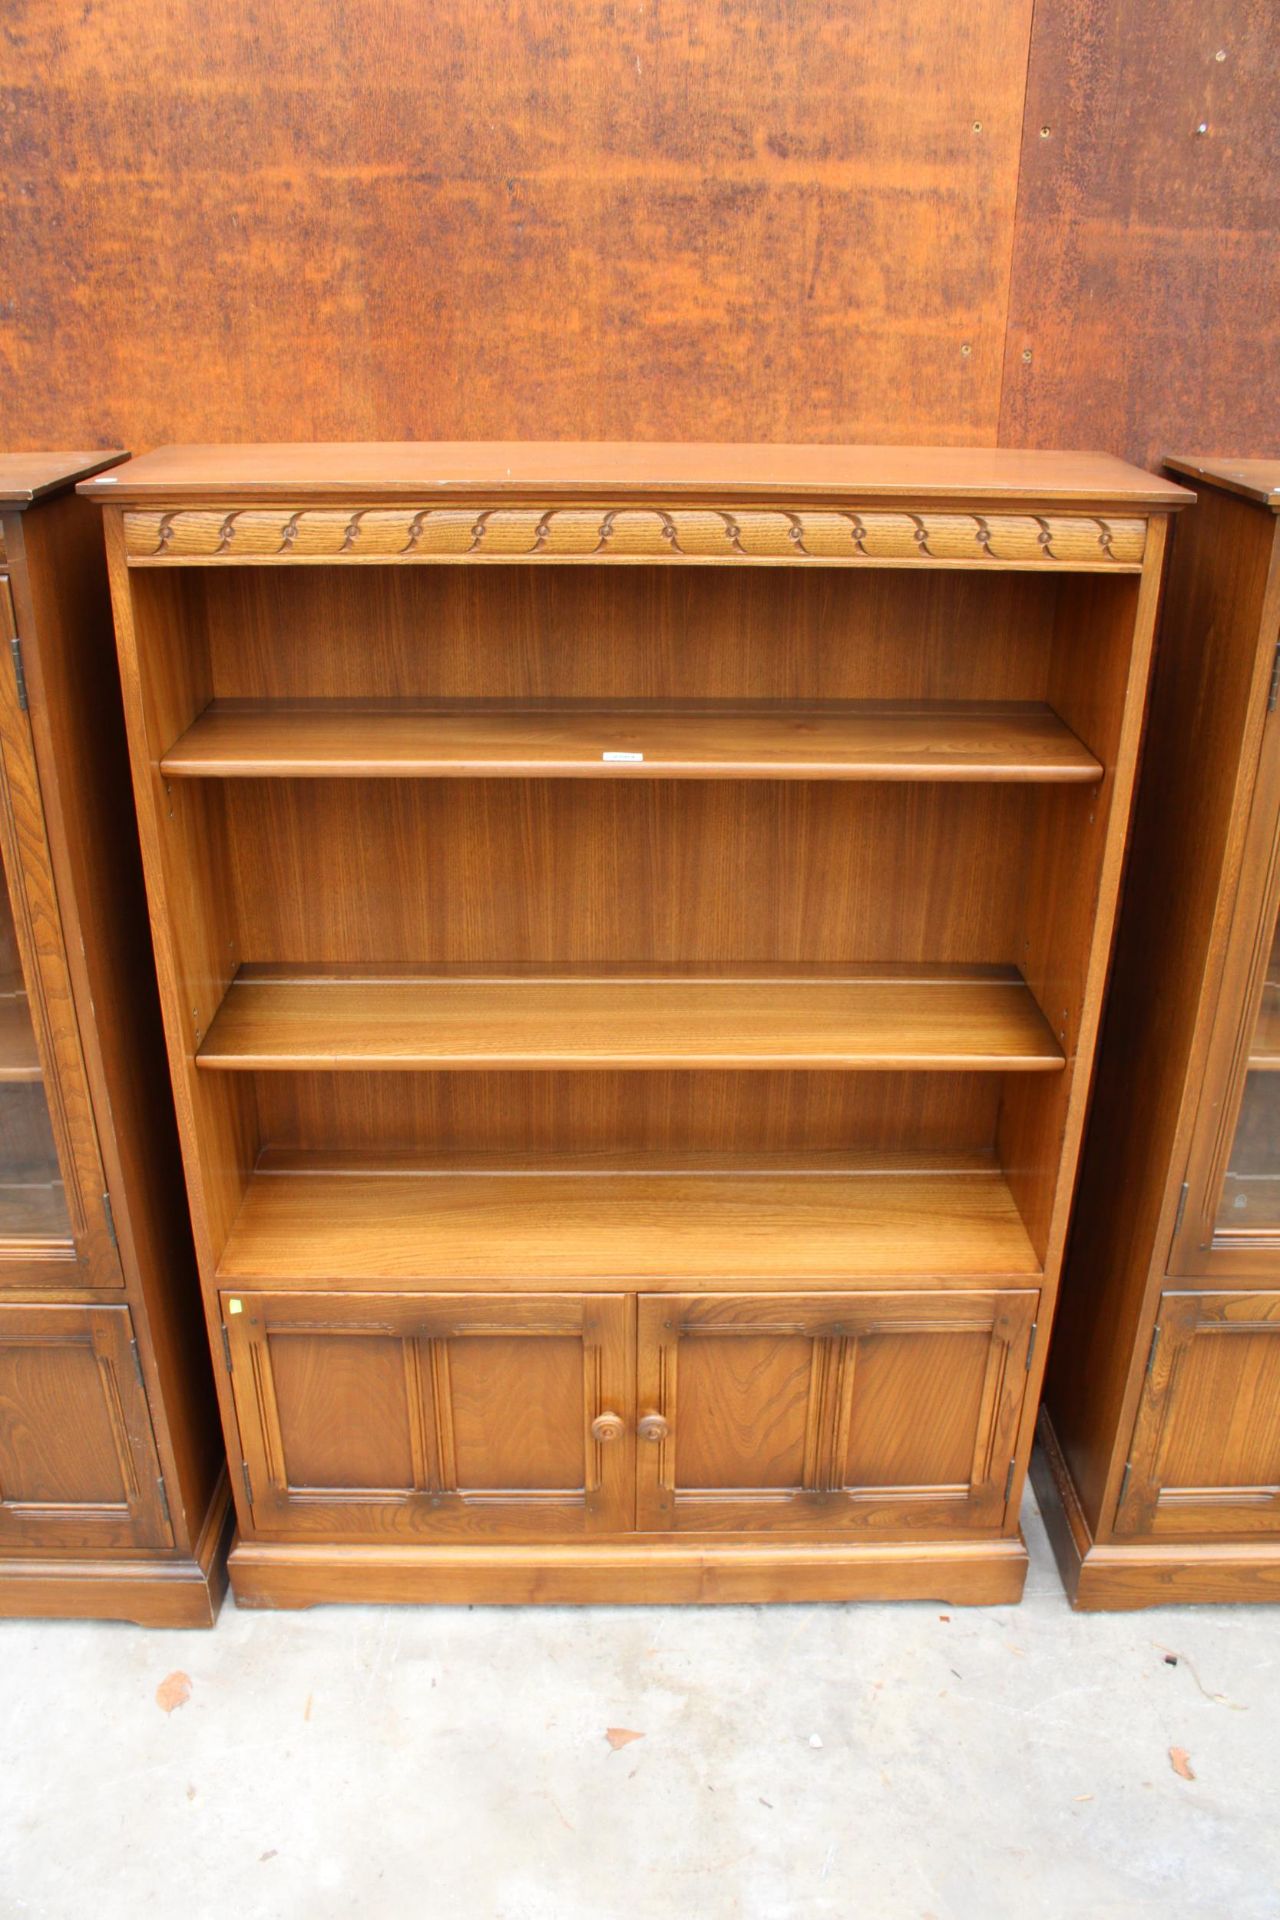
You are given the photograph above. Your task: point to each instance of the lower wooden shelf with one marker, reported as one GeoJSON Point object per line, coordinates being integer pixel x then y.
{"type": "Point", "coordinates": [872, 1017]}
{"type": "Point", "coordinates": [314, 1219]}
{"type": "Point", "coordinates": [1264, 1055]}
{"type": "Point", "coordinates": [19, 1060]}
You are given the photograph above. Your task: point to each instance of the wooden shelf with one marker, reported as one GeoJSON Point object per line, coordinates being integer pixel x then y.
{"type": "Point", "coordinates": [316, 1219]}
{"type": "Point", "coordinates": [1264, 1055]}
{"type": "Point", "coordinates": [18, 1057]}
{"type": "Point", "coordinates": [882, 1017]}
{"type": "Point", "coordinates": [33, 1211]}
{"type": "Point", "coordinates": [865, 740]}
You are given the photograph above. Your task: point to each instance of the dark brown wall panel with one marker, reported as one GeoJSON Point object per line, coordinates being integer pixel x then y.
{"type": "Point", "coordinates": [1145, 302]}
{"type": "Point", "coordinates": [579, 218]}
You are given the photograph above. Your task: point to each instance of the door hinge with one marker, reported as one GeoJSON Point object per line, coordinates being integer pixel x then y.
{"type": "Point", "coordinates": [1124, 1484]}
{"type": "Point", "coordinates": [137, 1362]}
{"type": "Point", "coordinates": [1151, 1356]}
{"type": "Point", "coordinates": [164, 1500]}
{"type": "Point", "coordinates": [19, 673]}
{"type": "Point", "coordinates": [1031, 1343]}
{"type": "Point", "coordinates": [110, 1217]}
{"type": "Point", "coordinates": [1182, 1207]}
{"type": "Point", "coordinates": [1272, 696]}
{"type": "Point", "coordinates": [248, 1484]}
{"type": "Point", "coordinates": [226, 1347]}
{"type": "Point", "coordinates": [1008, 1480]}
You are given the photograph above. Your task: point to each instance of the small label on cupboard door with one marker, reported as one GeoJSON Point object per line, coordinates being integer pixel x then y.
{"type": "Point", "coordinates": [622, 756]}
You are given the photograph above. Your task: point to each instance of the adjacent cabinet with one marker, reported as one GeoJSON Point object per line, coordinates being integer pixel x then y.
{"type": "Point", "coordinates": [113, 1500]}
{"type": "Point", "coordinates": [632, 923]}
{"type": "Point", "coordinates": [1160, 1463]}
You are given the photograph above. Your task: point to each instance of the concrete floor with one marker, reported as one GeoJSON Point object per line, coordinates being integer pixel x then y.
{"type": "Point", "coordinates": [865, 1762]}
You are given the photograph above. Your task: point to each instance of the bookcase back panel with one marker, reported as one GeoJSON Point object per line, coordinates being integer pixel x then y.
{"type": "Point", "coordinates": [561, 871]}
{"type": "Point", "coordinates": [623, 633]}
{"type": "Point", "coordinates": [630, 1112]}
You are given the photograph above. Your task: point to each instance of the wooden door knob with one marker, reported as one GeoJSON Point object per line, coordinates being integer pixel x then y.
{"type": "Point", "coordinates": [652, 1426]}
{"type": "Point", "coordinates": [607, 1426]}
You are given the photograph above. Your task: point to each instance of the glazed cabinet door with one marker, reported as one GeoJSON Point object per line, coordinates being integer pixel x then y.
{"type": "Point", "coordinates": [53, 1221]}
{"type": "Point", "coordinates": [888, 1412]}
{"type": "Point", "coordinates": [433, 1416]}
{"type": "Point", "coordinates": [1230, 1218]}
{"type": "Point", "coordinates": [1205, 1457]}
{"type": "Point", "coordinates": [78, 1466]}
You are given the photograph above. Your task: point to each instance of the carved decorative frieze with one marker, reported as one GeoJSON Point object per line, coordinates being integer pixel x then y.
{"type": "Point", "coordinates": [633, 533]}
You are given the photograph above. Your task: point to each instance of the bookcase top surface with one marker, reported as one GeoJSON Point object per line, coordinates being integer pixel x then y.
{"type": "Point", "coordinates": [27, 477]}
{"type": "Point", "coordinates": [599, 469]}
{"type": "Point", "coordinates": [1256, 479]}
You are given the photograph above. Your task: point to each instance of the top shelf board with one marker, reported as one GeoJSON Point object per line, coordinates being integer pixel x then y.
{"type": "Point", "coordinates": [438, 470]}
{"type": "Point", "coordinates": [835, 741]}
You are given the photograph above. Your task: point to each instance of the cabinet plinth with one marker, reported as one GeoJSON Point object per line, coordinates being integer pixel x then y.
{"type": "Point", "coordinates": [631, 926]}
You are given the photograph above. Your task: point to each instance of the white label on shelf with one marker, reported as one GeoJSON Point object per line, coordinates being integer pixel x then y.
{"type": "Point", "coordinates": [622, 756]}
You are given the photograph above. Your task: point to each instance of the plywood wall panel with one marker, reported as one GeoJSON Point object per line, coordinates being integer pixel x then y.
{"type": "Point", "coordinates": [1145, 300]}
{"type": "Point", "coordinates": [525, 218]}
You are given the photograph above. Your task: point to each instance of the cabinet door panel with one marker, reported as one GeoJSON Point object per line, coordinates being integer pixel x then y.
{"type": "Point", "coordinates": [437, 1416]}
{"type": "Point", "coordinates": [1205, 1457]}
{"type": "Point", "coordinates": [891, 1412]}
{"type": "Point", "coordinates": [78, 1466]}
{"type": "Point", "coordinates": [53, 1229]}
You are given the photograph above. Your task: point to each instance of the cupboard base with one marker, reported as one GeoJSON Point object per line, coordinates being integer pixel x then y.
{"type": "Point", "coordinates": [150, 1593]}
{"type": "Point", "coordinates": [1111, 1578]}
{"type": "Point", "coordinates": [970, 1573]}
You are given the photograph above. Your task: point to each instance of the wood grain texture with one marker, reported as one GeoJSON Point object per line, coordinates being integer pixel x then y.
{"type": "Point", "coordinates": [574, 872]}
{"type": "Point", "coordinates": [834, 741]}
{"type": "Point", "coordinates": [630, 1112]}
{"type": "Point", "coordinates": [1208, 712]}
{"type": "Point", "coordinates": [385, 485]}
{"type": "Point", "coordinates": [1257, 480]}
{"type": "Point", "coordinates": [46, 945]}
{"type": "Point", "coordinates": [25, 477]}
{"type": "Point", "coordinates": [965, 1019]}
{"type": "Point", "coordinates": [975, 1573]}
{"type": "Point", "coordinates": [796, 536]}
{"type": "Point", "coordinates": [78, 1467]}
{"type": "Point", "coordinates": [182, 1590]}
{"type": "Point", "coordinates": [563, 220]}
{"type": "Point", "coordinates": [368, 903]}
{"type": "Point", "coordinates": [871, 1412]}
{"type": "Point", "coordinates": [1145, 284]}
{"type": "Point", "coordinates": [1142, 1573]}
{"type": "Point", "coordinates": [433, 1416]}
{"type": "Point", "coordinates": [1205, 1450]}
{"type": "Point", "coordinates": [358, 1220]}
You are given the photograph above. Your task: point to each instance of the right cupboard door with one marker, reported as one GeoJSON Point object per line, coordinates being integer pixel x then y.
{"type": "Point", "coordinates": [885, 1412]}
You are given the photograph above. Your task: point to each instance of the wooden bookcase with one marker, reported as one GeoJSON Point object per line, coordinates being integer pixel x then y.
{"type": "Point", "coordinates": [113, 1492]}
{"type": "Point", "coordinates": [632, 922]}
{"type": "Point", "coordinates": [1160, 1465]}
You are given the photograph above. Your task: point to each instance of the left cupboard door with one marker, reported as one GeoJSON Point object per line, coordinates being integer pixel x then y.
{"type": "Point", "coordinates": [78, 1466]}
{"type": "Point", "coordinates": [54, 1220]}
{"type": "Point", "coordinates": [452, 1417]}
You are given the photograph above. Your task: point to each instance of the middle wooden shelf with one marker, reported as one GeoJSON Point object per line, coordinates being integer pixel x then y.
{"type": "Point", "coordinates": [872, 1017]}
